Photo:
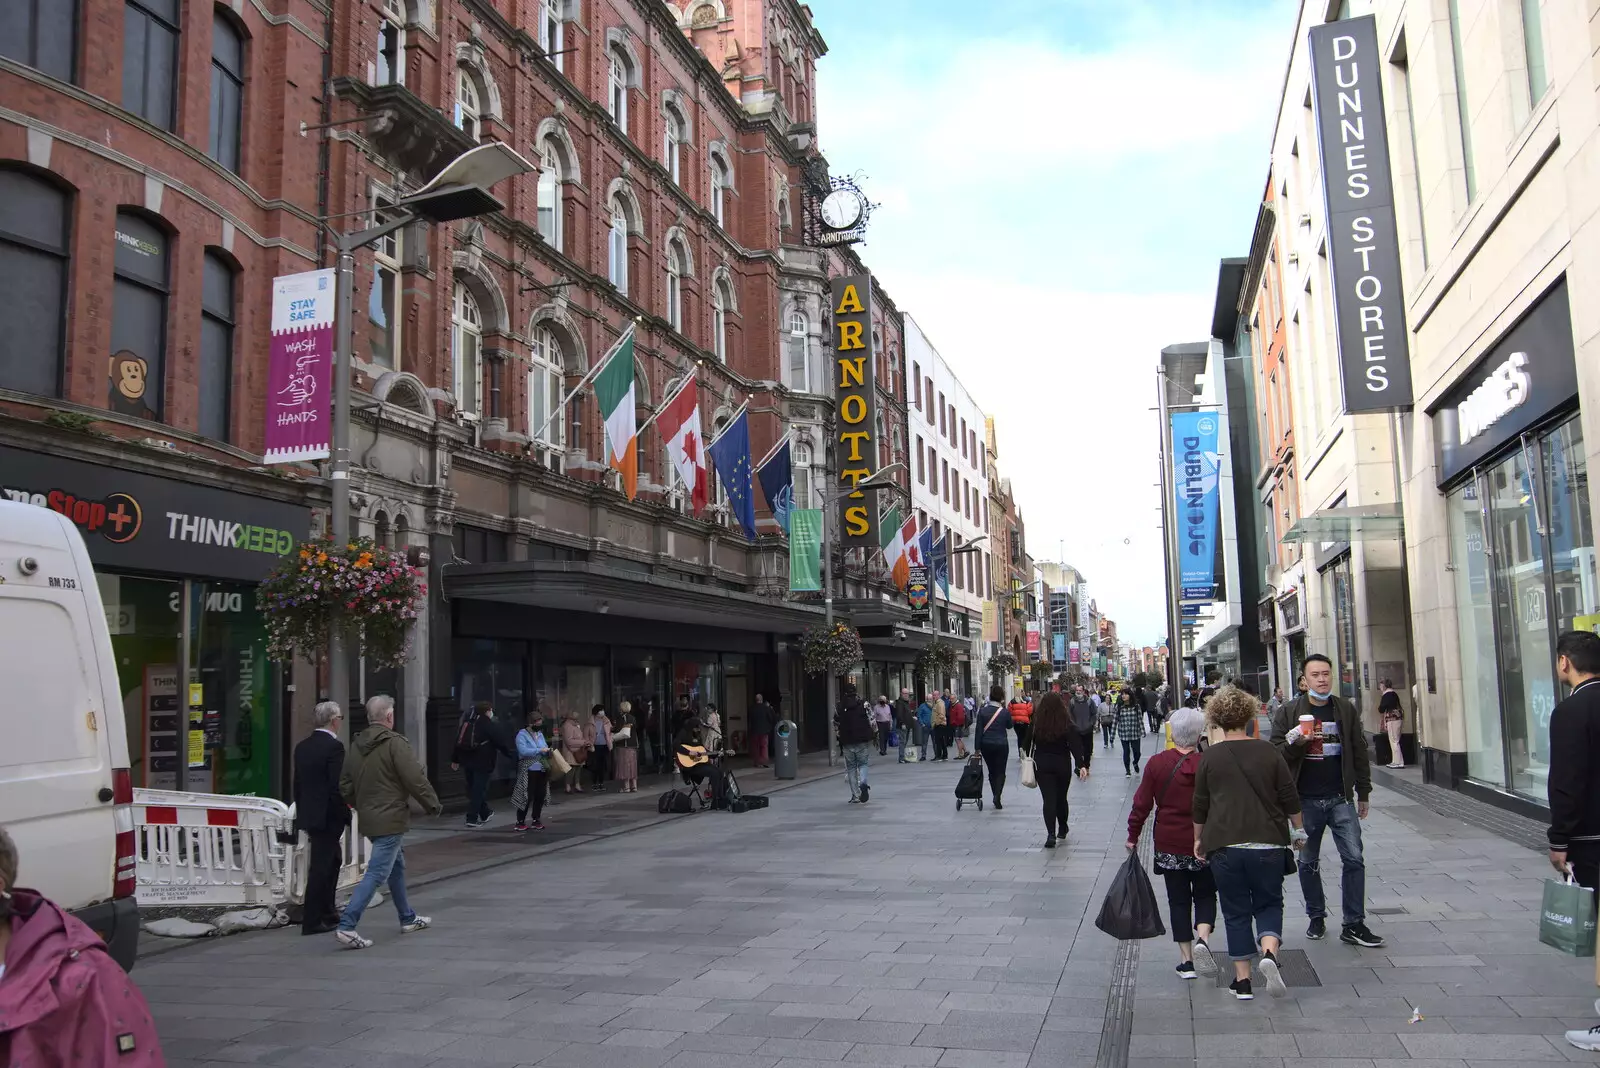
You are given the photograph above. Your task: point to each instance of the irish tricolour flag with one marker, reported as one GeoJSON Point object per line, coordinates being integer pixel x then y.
{"type": "Point", "coordinates": [613, 388]}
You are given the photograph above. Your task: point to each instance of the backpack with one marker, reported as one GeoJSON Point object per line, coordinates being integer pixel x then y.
{"type": "Point", "coordinates": [674, 801]}
{"type": "Point", "coordinates": [957, 714]}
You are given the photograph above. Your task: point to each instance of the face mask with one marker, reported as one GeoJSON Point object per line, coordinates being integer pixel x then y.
{"type": "Point", "coordinates": [1320, 695]}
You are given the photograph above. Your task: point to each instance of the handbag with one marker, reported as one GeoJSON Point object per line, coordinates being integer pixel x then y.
{"type": "Point", "coordinates": [1030, 770]}
{"type": "Point", "coordinates": [558, 764]}
{"type": "Point", "coordinates": [1289, 865]}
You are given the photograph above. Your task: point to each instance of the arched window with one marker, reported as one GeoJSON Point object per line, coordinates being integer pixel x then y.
{"type": "Point", "coordinates": [150, 59]}
{"type": "Point", "coordinates": [227, 90]}
{"type": "Point", "coordinates": [216, 347]}
{"type": "Point", "coordinates": [618, 75]}
{"type": "Point", "coordinates": [802, 476]}
{"type": "Point", "coordinates": [721, 179]}
{"type": "Point", "coordinates": [551, 30]}
{"type": "Point", "coordinates": [551, 176]}
{"type": "Point", "coordinates": [676, 266]}
{"type": "Point", "coordinates": [139, 318]}
{"type": "Point", "coordinates": [467, 107]}
{"type": "Point", "coordinates": [676, 134]}
{"type": "Point", "coordinates": [546, 383]}
{"type": "Point", "coordinates": [380, 530]}
{"type": "Point", "coordinates": [34, 260]}
{"type": "Point", "coordinates": [466, 350]}
{"type": "Point", "coordinates": [721, 304]}
{"type": "Point", "coordinates": [390, 66]}
{"type": "Point", "coordinates": [617, 248]}
{"type": "Point", "coordinates": [799, 345]}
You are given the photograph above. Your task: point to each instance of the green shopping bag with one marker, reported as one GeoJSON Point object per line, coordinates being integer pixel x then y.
{"type": "Point", "coordinates": [1566, 920]}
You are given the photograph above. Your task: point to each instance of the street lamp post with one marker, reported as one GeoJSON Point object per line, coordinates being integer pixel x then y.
{"type": "Point", "coordinates": [973, 546]}
{"type": "Point", "coordinates": [459, 191]}
{"type": "Point", "coordinates": [882, 479]}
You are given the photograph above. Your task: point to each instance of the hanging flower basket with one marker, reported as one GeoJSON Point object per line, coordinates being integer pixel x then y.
{"type": "Point", "coordinates": [372, 589]}
{"type": "Point", "coordinates": [937, 660]}
{"type": "Point", "coordinates": [1002, 664]}
{"type": "Point", "coordinates": [833, 651]}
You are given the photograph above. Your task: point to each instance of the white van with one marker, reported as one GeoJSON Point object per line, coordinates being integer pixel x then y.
{"type": "Point", "coordinates": [66, 789]}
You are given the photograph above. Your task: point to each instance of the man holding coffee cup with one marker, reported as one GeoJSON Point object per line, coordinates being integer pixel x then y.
{"type": "Point", "coordinates": [1321, 738]}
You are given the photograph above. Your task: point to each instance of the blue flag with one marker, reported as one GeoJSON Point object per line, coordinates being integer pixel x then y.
{"type": "Point", "coordinates": [777, 482]}
{"type": "Point", "coordinates": [939, 564]}
{"type": "Point", "coordinates": [924, 555]}
{"type": "Point", "coordinates": [730, 453]}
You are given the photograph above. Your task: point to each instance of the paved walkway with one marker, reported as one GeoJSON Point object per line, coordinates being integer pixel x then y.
{"type": "Point", "coordinates": [896, 933]}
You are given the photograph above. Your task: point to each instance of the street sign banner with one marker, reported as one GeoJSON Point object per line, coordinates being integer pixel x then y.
{"type": "Point", "coordinates": [1195, 478]}
{"type": "Point", "coordinates": [300, 368]}
{"type": "Point", "coordinates": [854, 380]}
{"type": "Point", "coordinates": [917, 587]}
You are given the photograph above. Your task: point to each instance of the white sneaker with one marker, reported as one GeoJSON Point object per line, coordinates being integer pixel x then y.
{"type": "Point", "coordinates": [1274, 978]}
{"type": "Point", "coordinates": [1588, 1039]}
{"type": "Point", "coordinates": [352, 940]}
{"type": "Point", "coordinates": [1394, 765]}
{"type": "Point", "coordinates": [418, 923]}
{"type": "Point", "coordinates": [1204, 963]}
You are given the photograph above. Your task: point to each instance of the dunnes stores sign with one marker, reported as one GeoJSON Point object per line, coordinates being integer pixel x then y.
{"type": "Point", "coordinates": [856, 438]}
{"type": "Point", "coordinates": [1363, 251]}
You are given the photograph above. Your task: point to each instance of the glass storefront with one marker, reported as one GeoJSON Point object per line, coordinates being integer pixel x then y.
{"type": "Point", "coordinates": [1522, 541]}
{"type": "Point", "coordinates": [1338, 595]}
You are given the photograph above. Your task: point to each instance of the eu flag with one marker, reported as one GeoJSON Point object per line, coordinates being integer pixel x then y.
{"type": "Point", "coordinates": [730, 453]}
{"type": "Point", "coordinates": [776, 476]}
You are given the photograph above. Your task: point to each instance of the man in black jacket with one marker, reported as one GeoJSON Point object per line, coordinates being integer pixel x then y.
{"type": "Point", "coordinates": [322, 814]}
{"type": "Point", "coordinates": [854, 724]}
{"type": "Point", "coordinates": [905, 721]}
{"type": "Point", "coordinates": [1575, 760]}
{"type": "Point", "coordinates": [762, 721]}
{"type": "Point", "coordinates": [479, 740]}
{"type": "Point", "coordinates": [1331, 767]}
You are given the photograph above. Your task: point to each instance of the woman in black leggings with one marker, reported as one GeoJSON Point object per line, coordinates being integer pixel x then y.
{"type": "Point", "coordinates": [992, 736]}
{"type": "Point", "coordinates": [1057, 745]}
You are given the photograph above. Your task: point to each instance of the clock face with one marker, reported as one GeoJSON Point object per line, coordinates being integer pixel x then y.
{"type": "Point", "coordinates": [842, 209]}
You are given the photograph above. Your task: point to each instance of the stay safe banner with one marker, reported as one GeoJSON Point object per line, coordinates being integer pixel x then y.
{"type": "Point", "coordinates": [300, 368]}
{"type": "Point", "coordinates": [1194, 477]}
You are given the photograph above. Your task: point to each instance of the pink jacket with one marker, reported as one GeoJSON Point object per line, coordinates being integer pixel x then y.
{"type": "Point", "coordinates": [64, 1003]}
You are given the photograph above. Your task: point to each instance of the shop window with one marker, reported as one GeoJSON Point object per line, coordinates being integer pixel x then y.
{"type": "Point", "coordinates": [383, 302]}
{"type": "Point", "coordinates": [466, 350]}
{"type": "Point", "coordinates": [138, 319]}
{"type": "Point", "coordinates": [150, 59]}
{"type": "Point", "coordinates": [1576, 589]}
{"type": "Point", "coordinates": [391, 58]}
{"type": "Point", "coordinates": [216, 347]}
{"type": "Point", "coordinates": [642, 678]}
{"type": "Point", "coordinates": [475, 545]}
{"type": "Point", "coordinates": [42, 34]}
{"type": "Point", "coordinates": [547, 421]}
{"type": "Point", "coordinates": [227, 90]}
{"type": "Point", "coordinates": [34, 221]}
{"type": "Point", "coordinates": [1475, 620]}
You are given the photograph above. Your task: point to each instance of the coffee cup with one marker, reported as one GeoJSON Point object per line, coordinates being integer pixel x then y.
{"type": "Point", "coordinates": [1312, 731]}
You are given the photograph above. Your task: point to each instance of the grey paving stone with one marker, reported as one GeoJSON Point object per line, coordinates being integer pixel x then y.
{"type": "Point", "coordinates": [1479, 1047]}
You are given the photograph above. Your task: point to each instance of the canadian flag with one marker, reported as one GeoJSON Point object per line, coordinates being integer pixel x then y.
{"type": "Point", "coordinates": [680, 429]}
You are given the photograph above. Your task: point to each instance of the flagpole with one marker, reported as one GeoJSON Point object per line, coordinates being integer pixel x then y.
{"type": "Point", "coordinates": [586, 379]}
{"type": "Point", "coordinates": [731, 420]}
{"type": "Point", "coordinates": [780, 443]}
{"type": "Point", "coordinates": [693, 379]}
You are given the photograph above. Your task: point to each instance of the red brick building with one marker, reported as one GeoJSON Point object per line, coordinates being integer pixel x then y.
{"type": "Point", "coordinates": [162, 161]}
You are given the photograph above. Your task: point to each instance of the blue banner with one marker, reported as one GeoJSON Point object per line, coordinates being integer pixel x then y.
{"type": "Point", "coordinates": [1195, 480]}
{"type": "Point", "coordinates": [939, 561]}
{"type": "Point", "coordinates": [731, 455]}
{"type": "Point", "coordinates": [1058, 644]}
{"type": "Point", "coordinates": [776, 476]}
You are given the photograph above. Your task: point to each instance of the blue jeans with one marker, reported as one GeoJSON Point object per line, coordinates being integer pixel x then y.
{"type": "Point", "coordinates": [856, 758]}
{"type": "Point", "coordinates": [385, 864]}
{"type": "Point", "coordinates": [924, 739]}
{"type": "Point", "coordinates": [1250, 891]}
{"type": "Point", "coordinates": [1339, 816]}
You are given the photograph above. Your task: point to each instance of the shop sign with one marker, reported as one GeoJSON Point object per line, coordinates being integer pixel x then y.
{"type": "Point", "coordinates": [300, 368]}
{"type": "Point", "coordinates": [1267, 621]}
{"type": "Point", "coordinates": [144, 523]}
{"type": "Point", "coordinates": [1529, 373]}
{"type": "Point", "coordinates": [1033, 639]}
{"type": "Point", "coordinates": [1363, 251]}
{"type": "Point", "coordinates": [856, 446]}
{"type": "Point", "coordinates": [1289, 605]}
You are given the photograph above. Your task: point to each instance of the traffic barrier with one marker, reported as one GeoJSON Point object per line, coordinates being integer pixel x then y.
{"type": "Point", "coordinates": [210, 849]}
{"type": "Point", "coordinates": [351, 868]}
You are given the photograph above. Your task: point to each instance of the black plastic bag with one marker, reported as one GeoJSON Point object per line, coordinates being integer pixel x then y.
{"type": "Point", "coordinates": [1130, 909]}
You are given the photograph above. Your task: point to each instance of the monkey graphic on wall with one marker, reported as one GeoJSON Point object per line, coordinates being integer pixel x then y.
{"type": "Point", "coordinates": [128, 385]}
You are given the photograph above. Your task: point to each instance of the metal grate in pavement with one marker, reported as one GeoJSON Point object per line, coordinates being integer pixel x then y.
{"type": "Point", "coordinates": [1293, 963]}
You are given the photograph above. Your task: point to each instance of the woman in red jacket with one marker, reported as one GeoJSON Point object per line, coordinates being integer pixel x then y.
{"type": "Point", "coordinates": [1168, 787]}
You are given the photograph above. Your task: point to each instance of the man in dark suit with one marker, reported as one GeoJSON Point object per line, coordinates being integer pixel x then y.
{"type": "Point", "coordinates": [322, 814]}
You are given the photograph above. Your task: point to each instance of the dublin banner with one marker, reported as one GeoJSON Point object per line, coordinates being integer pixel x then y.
{"type": "Point", "coordinates": [805, 550]}
{"type": "Point", "coordinates": [300, 368]}
{"type": "Point", "coordinates": [1363, 250]}
{"type": "Point", "coordinates": [1194, 476]}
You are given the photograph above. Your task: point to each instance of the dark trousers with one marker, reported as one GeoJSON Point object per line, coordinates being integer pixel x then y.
{"type": "Point", "coordinates": [1584, 858]}
{"type": "Point", "coordinates": [600, 764]}
{"type": "Point", "coordinates": [538, 784]}
{"type": "Point", "coordinates": [477, 793]}
{"type": "Point", "coordinates": [994, 758]}
{"type": "Point", "coordinates": [1105, 733]}
{"type": "Point", "coordinates": [883, 738]}
{"type": "Point", "coordinates": [941, 743]}
{"type": "Point", "coordinates": [1250, 891]}
{"type": "Point", "coordinates": [322, 879]}
{"type": "Point", "coordinates": [1130, 754]}
{"type": "Point", "coordinates": [1192, 900]}
{"type": "Point", "coordinates": [1053, 783]}
{"type": "Point", "coordinates": [1024, 732]}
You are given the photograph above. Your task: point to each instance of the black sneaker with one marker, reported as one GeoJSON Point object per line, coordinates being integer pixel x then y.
{"type": "Point", "coordinates": [1049, 843]}
{"type": "Point", "coordinates": [1241, 990]}
{"type": "Point", "coordinates": [1185, 970]}
{"type": "Point", "coordinates": [1274, 978]}
{"type": "Point", "coordinates": [1356, 934]}
{"type": "Point", "coordinates": [1318, 928]}
{"type": "Point", "coordinates": [865, 792]}
{"type": "Point", "coordinates": [997, 805]}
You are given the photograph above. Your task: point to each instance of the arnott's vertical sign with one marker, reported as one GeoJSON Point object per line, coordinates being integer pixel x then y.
{"type": "Point", "coordinates": [1362, 248]}
{"type": "Point", "coordinates": [855, 445]}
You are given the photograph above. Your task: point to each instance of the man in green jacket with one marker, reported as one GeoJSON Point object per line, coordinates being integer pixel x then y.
{"type": "Point", "coordinates": [1329, 762]}
{"type": "Point", "coordinates": [380, 779]}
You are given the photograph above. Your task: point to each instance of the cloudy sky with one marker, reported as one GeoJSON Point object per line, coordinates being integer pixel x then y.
{"type": "Point", "coordinates": [1058, 180]}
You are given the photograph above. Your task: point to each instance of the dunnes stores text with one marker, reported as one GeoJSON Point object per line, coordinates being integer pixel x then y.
{"type": "Point", "coordinates": [1363, 251]}
{"type": "Point", "coordinates": [855, 443]}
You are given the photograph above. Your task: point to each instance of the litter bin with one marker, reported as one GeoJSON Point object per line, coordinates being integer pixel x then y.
{"type": "Point", "coordinates": [785, 751]}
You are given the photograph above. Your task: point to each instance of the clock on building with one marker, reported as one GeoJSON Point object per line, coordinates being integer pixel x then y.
{"type": "Point", "coordinates": [843, 209]}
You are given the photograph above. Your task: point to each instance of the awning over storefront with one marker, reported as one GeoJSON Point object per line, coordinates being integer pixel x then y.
{"type": "Point", "coordinates": [1379, 522]}
{"type": "Point", "coordinates": [591, 587]}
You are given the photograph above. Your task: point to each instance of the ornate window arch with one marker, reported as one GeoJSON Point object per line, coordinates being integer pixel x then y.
{"type": "Point", "coordinates": [799, 373]}
{"type": "Point", "coordinates": [700, 14]}
{"type": "Point", "coordinates": [466, 350]}
{"type": "Point", "coordinates": [555, 353]}
{"type": "Point", "coordinates": [477, 94]}
{"type": "Point", "coordinates": [680, 265]}
{"type": "Point", "coordinates": [558, 165]}
{"type": "Point", "coordinates": [721, 169]}
{"type": "Point", "coordinates": [622, 75]}
{"type": "Point", "coordinates": [722, 303]}
{"type": "Point", "coordinates": [676, 134]}
{"type": "Point", "coordinates": [624, 219]}
{"type": "Point", "coordinates": [785, 213]}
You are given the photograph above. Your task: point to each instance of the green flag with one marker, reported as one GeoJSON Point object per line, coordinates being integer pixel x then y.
{"type": "Point", "coordinates": [888, 527]}
{"type": "Point", "coordinates": [805, 550]}
{"type": "Point", "coordinates": [613, 388]}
